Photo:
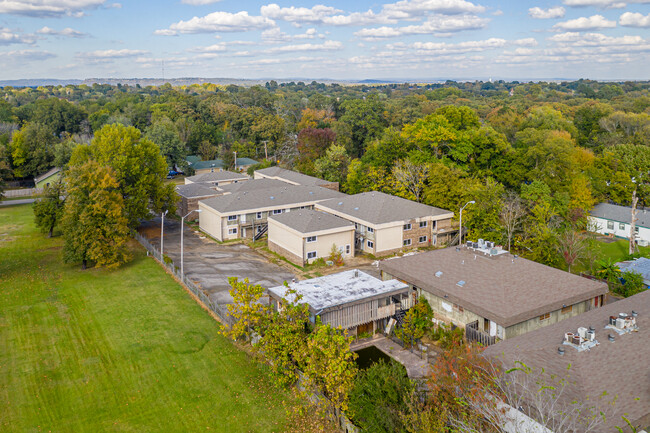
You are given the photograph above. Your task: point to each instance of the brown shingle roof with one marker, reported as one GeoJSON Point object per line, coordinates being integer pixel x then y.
{"type": "Point", "coordinates": [619, 368]}
{"type": "Point", "coordinates": [504, 289]}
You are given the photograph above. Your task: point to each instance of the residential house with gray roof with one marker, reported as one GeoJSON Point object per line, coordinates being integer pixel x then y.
{"type": "Point", "coordinates": [614, 220]}
{"type": "Point", "coordinates": [217, 178]}
{"type": "Point", "coordinates": [492, 293]}
{"type": "Point", "coordinates": [189, 196]}
{"type": "Point", "coordinates": [293, 177]}
{"type": "Point", "coordinates": [386, 224]}
{"type": "Point", "coordinates": [306, 235]}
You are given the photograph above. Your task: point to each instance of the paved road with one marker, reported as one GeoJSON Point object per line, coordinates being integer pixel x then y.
{"type": "Point", "coordinates": [15, 202]}
{"type": "Point", "coordinates": [210, 264]}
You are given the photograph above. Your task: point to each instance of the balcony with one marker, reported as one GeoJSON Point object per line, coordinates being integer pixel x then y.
{"type": "Point", "coordinates": [387, 311]}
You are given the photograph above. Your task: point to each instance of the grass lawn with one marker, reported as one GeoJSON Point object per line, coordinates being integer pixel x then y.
{"type": "Point", "coordinates": [618, 250]}
{"type": "Point", "coordinates": [125, 350]}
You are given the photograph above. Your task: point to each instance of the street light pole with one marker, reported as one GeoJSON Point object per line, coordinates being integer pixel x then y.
{"type": "Point", "coordinates": [460, 233]}
{"type": "Point", "coordinates": [183, 220]}
{"type": "Point", "coordinates": [162, 225]}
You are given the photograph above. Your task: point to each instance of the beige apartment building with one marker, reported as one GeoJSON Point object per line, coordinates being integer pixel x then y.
{"type": "Point", "coordinates": [216, 178]}
{"type": "Point", "coordinates": [385, 224]}
{"type": "Point", "coordinates": [293, 178]}
{"type": "Point", "coordinates": [243, 211]}
{"type": "Point", "coordinates": [306, 235]}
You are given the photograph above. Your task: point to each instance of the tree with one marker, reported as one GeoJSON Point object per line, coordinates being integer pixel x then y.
{"type": "Point", "coordinates": [207, 151]}
{"type": "Point", "coordinates": [361, 122]}
{"type": "Point", "coordinates": [631, 283]}
{"type": "Point", "coordinates": [32, 149]}
{"type": "Point", "coordinates": [512, 211]}
{"type": "Point", "coordinates": [94, 223]}
{"type": "Point", "coordinates": [571, 246]}
{"type": "Point", "coordinates": [410, 178]}
{"type": "Point", "coordinates": [416, 323]}
{"type": "Point", "coordinates": [608, 270]}
{"type": "Point", "coordinates": [138, 167]}
{"type": "Point", "coordinates": [165, 135]}
{"type": "Point", "coordinates": [379, 397]}
{"type": "Point", "coordinates": [49, 209]}
{"type": "Point", "coordinates": [5, 170]}
{"type": "Point", "coordinates": [248, 313]}
{"type": "Point", "coordinates": [329, 367]}
{"type": "Point", "coordinates": [334, 165]}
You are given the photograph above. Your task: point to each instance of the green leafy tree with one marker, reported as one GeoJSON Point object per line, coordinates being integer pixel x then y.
{"type": "Point", "coordinates": [32, 149]}
{"type": "Point", "coordinates": [608, 270]}
{"type": "Point", "coordinates": [138, 166]}
{"type": "Point", "coordinates": [329, 367]}
{"type": "Point", "coordinates": [334, 165]}
{"type": "Point", "coordinates": [165, 135]}
{"type": "Point", "coordinates": [5, 170]}
{"type": "Point", "coordinates": [363, 177]}
{"type": "Point", "coordinates": [94, 223]}
{"type": "Point", "coordinates": [248, 313]}
{"type": "Point", "coordinates": [48, 210]}
{"type": "Point", "coordinates": [630, 284]}
{"type": "Point", "coordinates": [379, 397]}
{"type": "Point", "coordinates": [360, 123]}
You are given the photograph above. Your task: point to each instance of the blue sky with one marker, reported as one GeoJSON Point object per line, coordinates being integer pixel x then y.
{"type": "Point", "coordinates": [402, 39]}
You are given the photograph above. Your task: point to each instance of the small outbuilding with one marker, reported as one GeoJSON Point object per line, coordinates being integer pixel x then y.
{"type": "Point", "coordinates": [306, 235]}
{"type": "Point", "coordinates": [189, 196]}
{"type": "Point", "coordinates": [216, 178]}
{"type": "Point", "coordinates": [47, 178]}
{"type": "Point", "coordinates": [350, 299]}
{"type": "Point", "coordinates": [614, 220]}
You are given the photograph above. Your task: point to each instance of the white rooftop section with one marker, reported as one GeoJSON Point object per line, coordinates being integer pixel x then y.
{"type": "Point", "coordinates": [338, 289]}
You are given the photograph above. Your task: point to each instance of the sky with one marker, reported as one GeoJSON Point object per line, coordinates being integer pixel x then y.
{"type": "Point", "coordinates": [345, 40]}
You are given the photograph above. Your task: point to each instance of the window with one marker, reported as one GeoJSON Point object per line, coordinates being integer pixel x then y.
{"type": "Point", "coordinates": [277, 211]}
{"type": "Point", "coordinates": [232, 231]}
{"type": "Point", "coordinates": [621, 226]}
{"type": "Point", "coordinates": [258, 216]}
{"type": "Point", "coordinates": [544, 316]}
{"type": "Point", "coordinates": [610, 225]}
{"type": "Point", "coordinates": [347, 249]}
{"type": "Point", "coordinates": [216, 184]}
{"type": "Point", "coordinates": [356, 226]}
{"type": "Point", "coordinates": [371, 244]}
{"type": "Point", "coordinates": [232, 217]}
{"type": "Point", "coordinates": [371, 230]}
{"type": "Point", "coordinates": [458, 308]}
{"type": "Point", "coordinates": [311, 255]}
{"type": "Point", "coordinates": [406, 242]}
{"type": "Point", "coordinates": [567, 309]}
{"type": "Point", "coordinates": [311, 238]}
{"type": "Point", "coordinates": [636, 230]}
{"type": "Point", "coordinates": [407, 226]}
{"type": "Point", "coordinates": [422, 239]}
{"type": "Point", "coordinates": [423, 224]}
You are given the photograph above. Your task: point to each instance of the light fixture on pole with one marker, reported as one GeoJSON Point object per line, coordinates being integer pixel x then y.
{"type": "Point", "coordinates": [460, 233]}
{"type": "Point", "coordinates": [162, 225]}
{"type": "Point", "coordinates": [182, 220]}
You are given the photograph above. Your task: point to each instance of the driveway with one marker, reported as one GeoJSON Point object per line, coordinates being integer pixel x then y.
{"type": "Point", "coordinates": [210, 264]}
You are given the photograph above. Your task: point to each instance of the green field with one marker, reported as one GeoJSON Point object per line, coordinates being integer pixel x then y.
{"type": "Point", "coordinates": [618, 250]}
{"type": "Point", "coordinates": [125, 350]}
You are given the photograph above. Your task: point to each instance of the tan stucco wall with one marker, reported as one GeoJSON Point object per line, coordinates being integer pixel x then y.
{"type": "Point", "coordinates": [323, 244]}
{"type": "Point", "coordinates": [388, 238]}
{"type": "Point", "coordinates": [210, 222]}
{"type": "Point", "coordinates": [285, 239]}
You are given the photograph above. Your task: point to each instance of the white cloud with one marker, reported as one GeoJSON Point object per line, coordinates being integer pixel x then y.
{"type": "Point", "coordinates": [527, 42]}
{"type": "Point", "coordinates": [435, 25]}
{"type": "Point", "coordinates": [461, 47]}
{"type": "Point", "coordinates": [629, 19]}
{"type": "Point", "coordinates": [216, 48]}
{"type": "Point", "coordinates": [542, 14]}
{"type": "Point", "coordinates": [416, 8]}
{"type": "Point", "coordinates": [25, 56]}
{"type": "Point", "coordinates": [47, 8]}
{"type": "Point", "coordinates": [497, 13]}
{"type": "Point", "coordinates": [574, 39]}
{"type": "Point", "coordinates": [326, 46]}
{"type": "Point", "coordinates": [316, 14]}
{"type": "Point", "coordinates": [199, 2]}
{"type": "Point", "coordinates": [8, 36]}
{"type": "Point", "coordinates": [604, 4]}
{"type": "Point", "coordinates": [219, 22]}
{"type": "Point", "coordinates": [275, 35]}
{"type": "Point", "coordinates": [67, 32]}
{"type": "Point", "coordinates": [101, 56]}
{"type": "Point", "coordinates": [595, 22]}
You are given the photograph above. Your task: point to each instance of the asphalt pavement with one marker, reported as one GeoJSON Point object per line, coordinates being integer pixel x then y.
{"type": "Point", "coordinates": [15, 202]}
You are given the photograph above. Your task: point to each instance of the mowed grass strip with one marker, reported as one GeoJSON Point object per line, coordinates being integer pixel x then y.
{"type": "Point", "coordinates": [122, 350]}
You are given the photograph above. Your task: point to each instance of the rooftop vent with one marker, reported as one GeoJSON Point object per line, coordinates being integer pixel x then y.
{"type": "Point", "coordinates": [272, 198]}
{"type": "Point", "coordinates": [439, 274]}
{"type": "Point", "coordinates": [560, 351]}
{"type": "Point", "coordinates": [340, 203]}
{"type": "Point", "coordinates": [610, 337]}
{"type": "Point", "coordinates": [356, 208]}
{"type": "Point", "coordinates": [356, 273]}
{"type": "Point", "coordinates": [461, 283]}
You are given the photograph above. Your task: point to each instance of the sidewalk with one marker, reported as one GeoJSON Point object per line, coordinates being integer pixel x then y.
{"type": "Point", "coordinates": [416, 368]}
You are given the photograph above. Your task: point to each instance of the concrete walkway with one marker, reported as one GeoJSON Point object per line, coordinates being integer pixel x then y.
{"type": "Point", "coordinates": [16, 202]}
{"type": "Point", "coordinates": [416, 368]}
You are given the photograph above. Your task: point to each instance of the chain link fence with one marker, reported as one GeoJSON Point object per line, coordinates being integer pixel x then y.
{"type": "Point", "coordinates": [220, 310]}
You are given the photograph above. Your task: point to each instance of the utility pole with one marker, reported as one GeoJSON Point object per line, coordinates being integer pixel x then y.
{"type": "Point", "coordinates": [235, 160]}
{"type": "Point", "coordinates": [162, 226]}
{"type": "Point", "coordinates": [266, 152]}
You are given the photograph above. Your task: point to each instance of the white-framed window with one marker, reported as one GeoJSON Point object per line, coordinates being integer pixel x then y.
{"type": "Point", "coordinates": [232, 217]}
{"type": "Point", "coordinates": [407, 226]}
{"type": "Point", "coordinates": [636, 230]}
{"type": "Point", "coordinates": [406, 242]}
{"type": "Point", "coordinates": [311, 239]}
{"type": "Point", "coordinates": [347, 249]}
{"type": "Point", "coordinates": [371, 230]}
{"type": "Point", "coordinates": [258, 216]}
{"type": "Point", "coordinates": [621, 226]}
{"type": "Point", "coordinates": [277, 211]}
{"type": "Point", "coordinates": [311, 255]}
{"type": "Point", "coordinates": [422, 239]}
{"type": "Point", "coordinates": [371, 244]}
{"type": "Point", "coordinates": [610, 225]}
{"type": "Point", "coordinates": [232, 231]}
{"type": "Point", "coordinates": [423, 224]}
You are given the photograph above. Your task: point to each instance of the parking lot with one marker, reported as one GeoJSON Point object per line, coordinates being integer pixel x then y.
{"type": "Point", "coordinates": [210, 264]}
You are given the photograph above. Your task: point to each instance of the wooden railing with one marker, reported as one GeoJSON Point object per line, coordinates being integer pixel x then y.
{"type": "Point", "coordinates": [473, 334]}
{"type": "Point", "coordinates": [386, 311]}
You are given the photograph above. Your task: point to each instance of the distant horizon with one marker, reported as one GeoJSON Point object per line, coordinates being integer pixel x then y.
{"type": "Point", "coordinates": [467, 39]}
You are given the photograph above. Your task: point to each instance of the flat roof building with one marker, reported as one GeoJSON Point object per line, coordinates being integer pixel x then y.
{"type": "Point", "coordinates": [493, 292]}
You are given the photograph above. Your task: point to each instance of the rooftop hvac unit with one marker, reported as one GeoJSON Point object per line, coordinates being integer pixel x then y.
{"type": "Point", "coordinates": [475, 244]}
{"type": "Point", "coordinates": [591, 335]}
{"type": "Point", "coordinates": [582, 332]}
{"type": "Point", "coordinates": [469, 244]}
{"type": "Point", "coordinates": [620, 323]}
{"type": "Point", "coordinates": [642, 242]}
{"type": "Point", "coordinates": [481, 242]}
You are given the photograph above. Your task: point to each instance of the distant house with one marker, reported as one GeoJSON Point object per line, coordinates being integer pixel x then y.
{"type": "Point", "coordinates": [189, 197]}
{"type": "Point", "coordinates": [243, 209]}
{"type": "Point", "coordinates": [294, 178]}
{"type": "Point", "coordinates": [601, 355]}
{"type": "Point", "coordinates": [386, 224]}
{"type": "Point", "coordinates": [212, 165]}
{"type": "Point", "coordinates": [306, 235]}
{"type": "Point", "coordinates": [491, 293]}
{"type": "Point", "coordinates": [640, 266]}
{"type": "Point", "coordinates": [216, 178]}
{"type": "Point", "coordinates": [611, 219]}
{"type": "Point", "coordinates": [351, 299]}
{"type": "Point", "coordinates": [47, 178]}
